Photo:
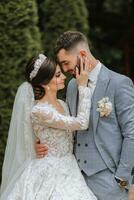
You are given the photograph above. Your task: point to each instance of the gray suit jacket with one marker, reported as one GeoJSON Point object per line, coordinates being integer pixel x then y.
{"type": "Point", "coordinates": [113, 135]}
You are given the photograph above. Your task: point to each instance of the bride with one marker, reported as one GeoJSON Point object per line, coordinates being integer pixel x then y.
{"type": "Point", "coordinates": [38, 112]}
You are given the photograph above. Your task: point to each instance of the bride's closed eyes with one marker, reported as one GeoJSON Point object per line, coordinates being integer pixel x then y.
{"type": "Point", "coordinates": [58, 74]}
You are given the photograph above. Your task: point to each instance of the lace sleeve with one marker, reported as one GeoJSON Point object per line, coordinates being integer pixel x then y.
{"type": "Point", "coordinates": [47, 116]}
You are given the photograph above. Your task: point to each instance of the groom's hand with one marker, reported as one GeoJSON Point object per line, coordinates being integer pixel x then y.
{"type": "Point", "coordinates": [131, 193]}
{"type": "Point", "coordinates": [40, 149]}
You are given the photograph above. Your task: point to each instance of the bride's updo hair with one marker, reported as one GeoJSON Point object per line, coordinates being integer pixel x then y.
{"type": "Point", "coordinates": [43, 76]}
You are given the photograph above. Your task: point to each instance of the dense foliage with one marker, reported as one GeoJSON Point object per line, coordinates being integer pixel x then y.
{"type": "Point", "coordinates": [111, 33]}
{"type": "Point", "coordinates": [19, 40]}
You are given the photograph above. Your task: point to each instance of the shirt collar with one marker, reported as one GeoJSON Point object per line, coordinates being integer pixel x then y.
{"type": "Point", "coordinates": [93, 75]}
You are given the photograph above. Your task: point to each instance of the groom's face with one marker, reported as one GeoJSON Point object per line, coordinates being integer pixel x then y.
{"type": "Point", "coordinates": [67, 60]}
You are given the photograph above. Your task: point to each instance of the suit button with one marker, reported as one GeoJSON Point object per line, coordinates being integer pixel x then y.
{"type": "Point", "coordinates": [78, 160]}
{"type": "Point", "coordinates": [78, 144]}
{"type": "Point", "coordinates": [85, 161]}
{"type": "Point", "coordinates": [74, 139]}
{"type": "Point", "coordinates": [86, 145]}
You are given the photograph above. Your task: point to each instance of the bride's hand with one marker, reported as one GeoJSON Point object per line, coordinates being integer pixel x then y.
{"type": "Point", "coordinates": [82, 78]}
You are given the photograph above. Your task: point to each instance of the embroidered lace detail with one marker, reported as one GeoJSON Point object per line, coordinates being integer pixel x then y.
{"type": "Point", "coordinates": [57, 175]}
{"type": "Point", "coordinates": [45, 114]}
{"type": "Point", "coordinates": [55, 129]}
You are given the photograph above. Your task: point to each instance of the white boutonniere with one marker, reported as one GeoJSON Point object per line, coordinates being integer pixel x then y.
{"type": "Point", "coordinates": [104, 107]}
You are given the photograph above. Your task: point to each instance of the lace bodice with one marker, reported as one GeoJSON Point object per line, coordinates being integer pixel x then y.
{"type": "Point", "coordinates": [55, 129]}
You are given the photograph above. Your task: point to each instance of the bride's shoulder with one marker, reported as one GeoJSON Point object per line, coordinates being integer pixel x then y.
{"type": "Point", "coordinates": [41, 107]}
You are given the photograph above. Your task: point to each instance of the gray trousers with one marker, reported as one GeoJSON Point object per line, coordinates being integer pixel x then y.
{"type": "Point", "coordinates": [105, 187]}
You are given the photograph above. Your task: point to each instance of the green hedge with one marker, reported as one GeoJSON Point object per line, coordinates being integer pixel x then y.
{"type": "Point", "coordinates": [59, 16]}
{"type": "Point", "coordinates": [19, 40]}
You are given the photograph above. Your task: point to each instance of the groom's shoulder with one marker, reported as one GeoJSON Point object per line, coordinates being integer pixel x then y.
{"type": "Point", "coordinates": [116, 77]}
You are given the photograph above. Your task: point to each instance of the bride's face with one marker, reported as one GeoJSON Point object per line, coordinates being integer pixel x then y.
{"type": "Point", "coordinates": [58, 81]}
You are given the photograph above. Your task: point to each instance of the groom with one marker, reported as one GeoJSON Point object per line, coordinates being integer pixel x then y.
{"type": "Point", "coordinates": [105, 151]}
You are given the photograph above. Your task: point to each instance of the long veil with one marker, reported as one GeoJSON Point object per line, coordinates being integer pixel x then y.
{"type": "Point", "coordinates": [20, 142]}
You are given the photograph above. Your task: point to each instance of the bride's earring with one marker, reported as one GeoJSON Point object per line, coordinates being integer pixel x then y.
{"type": "Point", "coordinates": [48, 88]}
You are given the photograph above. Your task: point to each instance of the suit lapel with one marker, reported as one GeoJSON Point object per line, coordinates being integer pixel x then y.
{"type": "Point", "coordinates": [73, 101]}
{"type": "Point", "coordinates": [99, 93]}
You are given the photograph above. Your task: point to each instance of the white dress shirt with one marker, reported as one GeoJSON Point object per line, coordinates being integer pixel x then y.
{"type": "Point", "coordinates": [93, 77]}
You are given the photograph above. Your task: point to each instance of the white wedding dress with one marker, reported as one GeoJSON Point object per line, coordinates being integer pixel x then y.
{"type": "Point", "coordinates": [57, 175]}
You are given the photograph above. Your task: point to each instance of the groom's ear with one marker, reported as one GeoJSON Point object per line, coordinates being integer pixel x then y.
{"type": "Point", "coordinates": [83, 53]}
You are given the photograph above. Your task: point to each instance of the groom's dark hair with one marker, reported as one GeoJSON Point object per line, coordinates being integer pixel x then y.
{"type": "Point", "coordinates": [69, 39]}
